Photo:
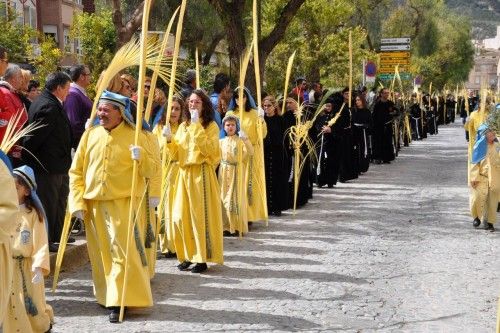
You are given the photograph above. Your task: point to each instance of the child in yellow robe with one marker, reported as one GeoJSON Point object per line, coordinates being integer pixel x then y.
{"type": "Point", "coordinates": [27, 310]}
{"type": "Point", "coordinates": [166, 230]}
{"type": "Point", "coordinates": [233, 195]}
{"type": "Point", "coordinates": [252, 123]}
{"type": "Point", "coordinates": [485, 178]}
{"type": "Point", "coordinates": [197, 214]}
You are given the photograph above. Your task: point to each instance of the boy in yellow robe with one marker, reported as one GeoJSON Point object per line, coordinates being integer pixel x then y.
{"type": "Point", "coordinates": [233, 195]}
{"type": "Point", "coordinates": [9, 208]}
{"type": "Point", "coordinates": [256, 179]}
{"type": "Point", "coordinates": [197, 214]}
{"type": "Point", "coordinates": [100, 185]}
{"type": "Point", "coordinates": [485, 178]}
{"type": "Point", "coordinates": [28, 311]}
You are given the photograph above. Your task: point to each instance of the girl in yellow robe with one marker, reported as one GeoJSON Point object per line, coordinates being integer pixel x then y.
{"type": "Point", "coordinates": [256, 179]}
{"type": "Point", "coordinates": [166, 229]}
{"type": "Point", "coordinates": [9, 208]}
{"type": "Point", "coordinates": [234, 199]}
{"type": "Point", "coordinates": [196, 213]}
{"type": "Point", "coordinates": [27, 311]}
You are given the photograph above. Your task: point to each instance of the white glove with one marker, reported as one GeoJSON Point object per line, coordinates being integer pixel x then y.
{"type": "Point", "coordinates": [242, 135]}
{"type": "Point", "coordinates": [37, 276]}
{"type": "Point", "coordinates": [135, 152]}
{"type": "Point", "coordinates": [154, 202]}
{"type": "Point", "coordinates": [167, 132]}
{"type": "Point", "coordinates": [87, 124]}
{"type": "Point", "coordinates": [195, 117]}
{"type": "Point", "coordinates": [261, 112]}
{"type": "Point", "coordinates": [79, 214]}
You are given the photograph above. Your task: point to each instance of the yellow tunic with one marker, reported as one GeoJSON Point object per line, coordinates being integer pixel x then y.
{"type": "Point", "coordinates": [256, 179]}
{"type": "Point", "coordinates": [30, 250]}
{"type": "Point", "coordinates": [100, 184]}
{"type": "Point", "coordinates": [234, 198]}
{"type": "Point", "coordinates": [484, 197]}
{"type": "Point", "coordinates": [196, 212]}
{"type": "Point", "coordinates": [172, 165]}
{"type": "Point", "coordinates": [8, 211]}
{"type": "Point", "coordinates": [476, 118]}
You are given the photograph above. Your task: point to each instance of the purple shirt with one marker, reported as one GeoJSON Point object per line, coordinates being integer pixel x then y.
{"type": "Point", "coordinates": [78, 108]}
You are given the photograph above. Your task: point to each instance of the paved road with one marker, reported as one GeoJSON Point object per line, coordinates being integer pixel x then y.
{"type": "Point", "coordinates": [392, 251]}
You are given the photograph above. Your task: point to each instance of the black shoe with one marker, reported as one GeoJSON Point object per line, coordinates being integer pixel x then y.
{"type": "Point", "coordinates": [226, 233]}
{"type": "Point", "coordinates": [489, 226]}
{"type": "Point", "coordinates": [53, 247]}
{"type": "Point", "coordinates": [169, 255]}
{"type": "Point", "coordinates": [71, 240]}
{"type": "Point", "coordinates": [235, 234]}
{"type": "Point", "coordinates": [321, 185]}
{"type": "Point", "coordinates": [476, 223]}
{"type": "Point", "coordinates": [330, 185]}
{"type": "Point", "coordinates": [386, 162]}
{"type": "Point", "coordinates": [276, 213]}
{"type": "Point", "coordinates": [183, 266]}
{"type": "Point", "coordinates": [114, 315]}
{"type": "Point", "coordinates": [199, 268]}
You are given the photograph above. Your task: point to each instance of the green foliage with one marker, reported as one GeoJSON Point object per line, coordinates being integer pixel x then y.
{"type": "Point", "coordinates": [97, 36]}
{"type": "Point", "coordinates": [46, 59]}
{"type": "Point", "coordinates": [14, 36]}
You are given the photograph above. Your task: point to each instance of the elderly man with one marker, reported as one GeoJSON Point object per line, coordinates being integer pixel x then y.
{"type": "Point", "coordinates": [11, 105]}
{"type": "Point", "coordinates": [50, 151]}
{"type": "Point", "coordinates": [100, 185]}
{"type": "Point", "coordinates": [77, 105]}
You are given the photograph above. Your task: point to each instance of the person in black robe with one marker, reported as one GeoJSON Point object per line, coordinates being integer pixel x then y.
{"type": "Point", "coordinates": [327, 170]}
{"type": "Point", "coordinates": [383, 115]}
{"type": "Point", "coordinates": [450, 108]}
{"type": "Point", "coordinates": [304, 191]}
{"type": "Point", "coordinates": [362, 122]}
{"type": "Point", "coordinates": [274, 158]}
{"type": "Point", "coordinates": [416, 121]}
{"type": "Point", "coordinates": [348, 150]}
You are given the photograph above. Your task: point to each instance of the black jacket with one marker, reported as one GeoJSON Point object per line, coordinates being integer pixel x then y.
{"type": "Point", "coordinates": [50, 144]}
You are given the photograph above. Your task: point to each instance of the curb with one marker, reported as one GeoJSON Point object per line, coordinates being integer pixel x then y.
{"type": "Point", "coordinates": [75, 256]}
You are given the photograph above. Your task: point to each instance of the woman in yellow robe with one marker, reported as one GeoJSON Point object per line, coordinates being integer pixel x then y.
{"type": "Point", "coordinates": [9, 209]}
{"type": "Point", "coordinates": [27, 311]}
{"type": "Point", "coordinates": [100, 185]}
{"type": "Point", "coordinates": [256, 179]}
{"type": "Point", "coordinates": [196, 213]}
{"type": "Point", "coordinates": [166, 229]}
{"type": "Point", "coordinates": [234, 199]}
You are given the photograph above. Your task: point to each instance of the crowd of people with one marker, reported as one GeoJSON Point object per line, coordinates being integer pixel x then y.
{"type": "Point", "coordinates": [208, 168]}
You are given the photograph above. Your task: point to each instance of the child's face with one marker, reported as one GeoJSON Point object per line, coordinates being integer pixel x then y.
{"type": "Point", "coordinates": [22, 192]}
{"type": "Point", "coordinates": [230, 127]}
{"type": "Point", "coordinates": [490, 137]}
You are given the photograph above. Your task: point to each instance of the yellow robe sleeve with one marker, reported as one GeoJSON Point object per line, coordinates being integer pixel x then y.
{"type": "Point", "coordinates": [40, 255]}
{"type": "Point", "coordinates": [493, 157]}
{"type": "Point", "coordinates": [207, 141]}
{"type": "Point", "coordinates": [77, 177]}
{"type": "Point", "coordinates": [155, 181]}
{"type": "Point", "coordinates": [8, 201]}
{"type": "Point", "coordinates": [149, 163]}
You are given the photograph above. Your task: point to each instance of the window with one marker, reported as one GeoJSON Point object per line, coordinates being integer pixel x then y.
{"type": "Point", "coordinates": [67, 41]}
{"type": "Point", "coordinates": [51, 31]}
{"type": "Point", "coordinates": [78, 2]}
{"type": "Point", "coordinates": [30, 17]}
{"type": "Point", "coordinates": [78, 49]}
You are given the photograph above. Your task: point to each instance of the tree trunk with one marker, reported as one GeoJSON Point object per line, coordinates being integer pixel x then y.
{"type": "Point", "coordinates": [126, 31]}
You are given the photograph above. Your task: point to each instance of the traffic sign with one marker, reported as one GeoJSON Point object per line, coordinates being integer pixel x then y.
{"type": "Point", "coordinates": [370, 69]}
{"type": "Point", "coordinates": [404, 40]}
{"type": "Point", "coordinates": [388, 77]}
{"type": "Point", "coordinates": [394, 61]}
{"type": "Point", "coordinates": [396, 47]}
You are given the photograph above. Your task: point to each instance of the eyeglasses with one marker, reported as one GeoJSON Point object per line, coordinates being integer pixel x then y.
{"type": "Point", "coordinates": [146, 86]}
{"type": "Point", "coordinates": [266, 105]}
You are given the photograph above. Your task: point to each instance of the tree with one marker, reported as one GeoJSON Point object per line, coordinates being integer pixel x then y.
{"type": "Point", "coordinates": [46, 58]}
{"type": "Point", "coordinates": [15, 37]}
{"type": "Point", "coordinates": [97, 37]}
{"type": "Point", "coordinates": [125, 30]}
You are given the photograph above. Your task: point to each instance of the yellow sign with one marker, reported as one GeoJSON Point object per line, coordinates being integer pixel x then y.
{"type": "Point", "coordinates": [394, 61]}
{"type": "Point", "coordinates": [394, 54]}
{"type": "Point", "coordinates": [392, 69]}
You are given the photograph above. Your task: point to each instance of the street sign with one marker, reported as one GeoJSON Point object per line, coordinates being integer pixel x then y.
{"type": "Point", "coordinates": [394, 54]}
{"type": "Point", "coordinates": [388, 77]}
{"type": "Point", "coordinates": [394, 61]}
{"type": "Point", "coordinates": [404, 40]}
{"type": "Point", "coordinates": [396, 47]}
{"type": "Point", "coordinates": [392, 69]}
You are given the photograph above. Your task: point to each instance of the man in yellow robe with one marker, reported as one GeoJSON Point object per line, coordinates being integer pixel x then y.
{"type": "Point", "coordinates": [9, 208]}
{"type": "Point", "coordinates": [100, 186]}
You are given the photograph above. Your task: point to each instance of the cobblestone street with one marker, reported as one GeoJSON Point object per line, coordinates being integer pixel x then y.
{"type": "Point", "coordinates": [392, 251]}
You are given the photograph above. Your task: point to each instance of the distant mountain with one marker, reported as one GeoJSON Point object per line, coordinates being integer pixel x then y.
{"type": "Point", "coordinates": [484, 15]}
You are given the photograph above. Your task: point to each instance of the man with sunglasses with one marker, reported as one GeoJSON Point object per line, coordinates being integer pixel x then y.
{"type": "Point", "coordinates": [77, 105]}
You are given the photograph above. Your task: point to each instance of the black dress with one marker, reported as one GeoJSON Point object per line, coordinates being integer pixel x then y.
{"type": "Point", "coordinates": [327, 150]}
{"type": "Point", "coordinates": [383, 146]}
{"type": "Point", "coordinates": [274, 163]}
{"type": "Point", "coordinates": [362, 122]}
{"type": "Point", "coordinates": [417, 126]}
